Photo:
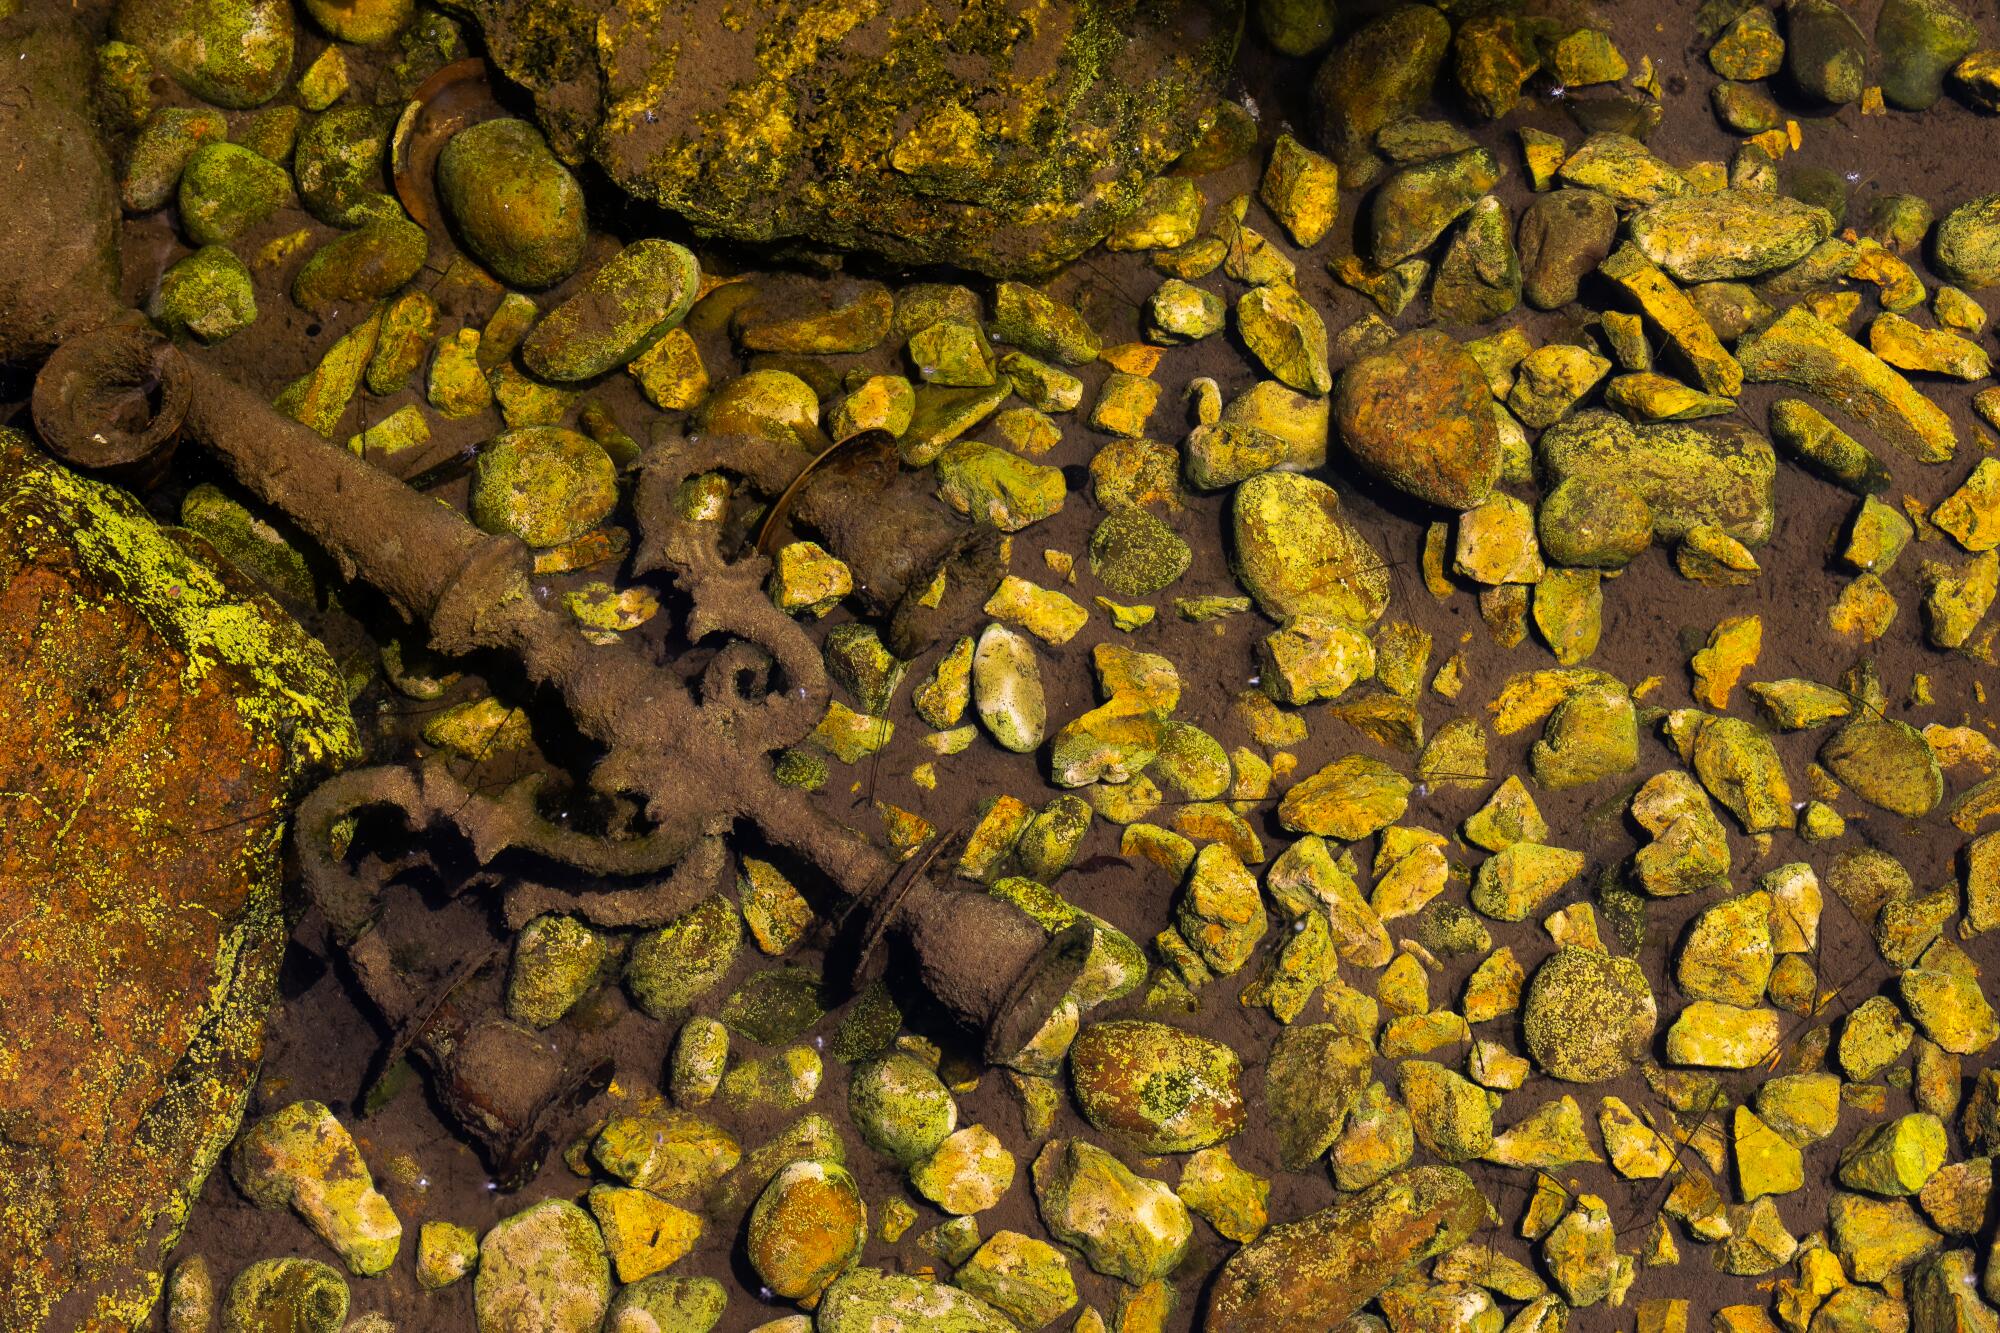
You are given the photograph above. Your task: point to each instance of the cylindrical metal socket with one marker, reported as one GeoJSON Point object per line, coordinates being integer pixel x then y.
{"type": "Point", "coordinates": [112, 401]}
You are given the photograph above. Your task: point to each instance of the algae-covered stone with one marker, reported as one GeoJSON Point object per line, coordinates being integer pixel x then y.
{"type": "Point", "coordinates": [1126, 1226]}
{"type": "Point", "coordinates": [1007, 689]}
{"type": "Point", "coordinates": [1802, 349]}
{"type": "Point", "coordinates": [1581, 1253]}
{"type": "Point", "coordinates": [643, 1233]}
{"type": "Point", "coordinates": [1805, 1108]}
{"type": "Point", "coordinates": [1587, 1015]}
{"type": "Point", "coordinates": [1668, 308]}
{"type": "Point", "coordinates": [1593, 735]}
{"type": "Point", "coordinates": [1027, 1279]}
{"type": "Point", "coordinates": [1749, 48]}
{"type": "Point", "coordinates": [1685, 475]}
{"type": "Point", "coordinates": [1971, 514]}
{"type": "Point", "coordinates": [1479, 278]}
{"type": "Point", "coordinates": [1620, 166]}
{"type": "Point", "coordinates": [968, 1172]}
{"type": "Point", "coordinates": [1219, 912]}
{"type": "Point", "coordinates": [1766, 1161]}
{"type": "Point", "coordinates": [1726, 954]}
{"type": "Point", "coordinates": [1418, 415]}
{"type": "Point", "coordinates": [806, 1229]}
{"type": "Point", "coordinates": [1729, 234]}
{"type": "Point", "coordinates": [543, 484]}
{"type": "Point", "coordinates": [515, 205]}
{"type": "Point", "coordinates": [1551, 380]}
{"type": "Point", "coordinates": [1878, 1237]}
{"type": "Point", "coordinates": [1313, 1077]}
{"type": "Point", "coordinates": [1156, 1087]}
{"type": "Point", "coordinates": [867, 1300]}
{"type": "Point", "coordinates": [542, 1269]}
{"type": "Point", "coordinates": [1301, 189]}
{"type": "Point", "coordinates": [1593, 522]}
{"type": "Point", "coordinates": [1896, 1158]}
{"type": "Point", "coordinates": [208, 293]}
{"type": "Point", "coordinates": [234, 53]}
{"type": "Point", "coordinates": [1285, 334]}
{"type": "Point", "coordinates": [1886, 762]}
{"type": "Point", "coordinates": [1710, 1035]}
{"type": "Point", "coordinates": [1028, 318]}
{"type": "Point", "coordinates": [556, 959]}
{"type": "Point", "coordinates": [633, 300]}
{"type": "Point", "coordinates": [446, 1252]}
{"type": "Point", "coordinates": [1231, 1199]}
{"type": "Point", "coordinates": [1312, 658]}
{"type": "Point", "coordinates": [1945, 996]}
{"type": "Point", "coordinates": [998, 487]}
{"type": "Point", "coordinates": [226, 190]}
{"type": "Point", "coordinates": [1348, 799]}
{"type": "Point", "coordinates": [1317, 1272]}
{"type": "Point", "coordinates": [1297, 554]}
{"type": "Point", "coordinates": [1523, 876]}
{"type": "Point", "coordinates": [674, 965]}
{"type": "Point", "coordinates": [161, 151]}
{"type": "Point", "coordinates": [1919, 40]}
{"type": "Point", "coordinates": [286, 1296]}
{"type": "Point", "coordinates": [1967, 243]}
{"type": "Point", "coordinates": [1452, 1116]}
{"type": "Point", "coordinates": [1552, 1135]}
{"type": "Point", "coordinates": [1496, 543]}
{"type": "Point", "coordinates": [365, 264]}
{"type": "Point", "coordinates": [805, 577]}
{"type": "Point", "coordinates": [1384, 71]}
{"type": "Point", "coordinates": [674, 1154]}
{"type": "Point", "coordinates": [1414, 207]}
{"type": "Point", "coordinates": [302, 1157]}
{"type": "Point", "coordinates": [662, 1303]}
{"type": "Point", "coordinates": [699, 1058]}
{"type": "Point", "coordinates": [1826, 53]}
{"type": "Point", "coordinates": [1135, 554]}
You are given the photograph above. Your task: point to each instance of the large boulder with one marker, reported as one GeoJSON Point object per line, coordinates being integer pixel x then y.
{"type": "Point", "coordinates": [158, 716]}
{"type": "Point", "coordinates": [1006, 138]}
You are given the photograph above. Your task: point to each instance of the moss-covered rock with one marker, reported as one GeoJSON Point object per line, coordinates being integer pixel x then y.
{"type": "Point", "coordinates": [1297, 554]}
{"type": "Point", "coordinates": [286, 1296]}
{"type": "Point", "coordinates": [1008, 149]}
{"type": "Point", "coordinates": [1384, 71]}
{"type": "Point", "coordinates": [901, 1106]}
{"type": "Point", "coordinates": [208, 293]}
{"type": "Point", "coordinates": [362, 265]}
{"type": "Point", "coordinates": [1588, 1015]}
{"type": "Point", "coordinates": [234, 53]}
{"type": "Point", "coordinates": [1155, 1086]}
{"type": "Point", "coordinates": [226, 190]}
{"type": "Point", "coordinates": [543, 484]}
{"type": "Point", "coordinates": [636, 298]}
{"type": "Point", "coordinates": [543, 1268]}
{"type": "Point", "coordinates": [516, 207]}
{"type": "Point", "coordinates": [1127, 1226]}
{"type": "Point", "coordinates": [1316, 1272]}
{"type": "Point", "coordinates": [868, 1300]}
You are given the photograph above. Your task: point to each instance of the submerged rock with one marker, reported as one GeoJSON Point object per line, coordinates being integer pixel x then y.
{"type": "Point", "coordinates": [927, 135]}
{"type": "Point", "coordinates": [1418, 415]}
{"type": "Point", "coordinates": [142, 1075]}
{"type": "Point", "coordinates": [1587, 1015]}
{"type": "Point", "coordinates": [1316, 1272]}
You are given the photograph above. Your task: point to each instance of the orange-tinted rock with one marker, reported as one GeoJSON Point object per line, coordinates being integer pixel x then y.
{"type": "Point", "coordinates": [156, 718]}
{"type": "Point", "coordinates": [1419, 415]}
